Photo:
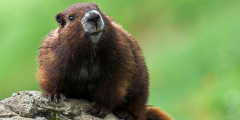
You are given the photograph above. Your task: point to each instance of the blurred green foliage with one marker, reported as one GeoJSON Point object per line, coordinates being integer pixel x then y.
{"type": "Point", "coordinates": [192, 50]}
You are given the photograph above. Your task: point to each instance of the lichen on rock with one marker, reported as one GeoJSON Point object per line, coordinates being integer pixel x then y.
{"type": "Point", "coordinates": [31, 105]}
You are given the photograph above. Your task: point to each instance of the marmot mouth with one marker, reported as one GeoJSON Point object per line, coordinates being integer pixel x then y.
{"type": "Point", "coordinates": [94, 33]}
{"type": "Point", "coordinates": [96, 29]}
{"type": "Point", "coordinates": [95, 36]}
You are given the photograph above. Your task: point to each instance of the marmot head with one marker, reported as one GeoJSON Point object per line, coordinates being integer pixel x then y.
{"type": "Point", "coordinates": [81, 22]}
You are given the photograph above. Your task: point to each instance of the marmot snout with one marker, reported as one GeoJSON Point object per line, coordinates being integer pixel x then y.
{"type": "Point", "coordinates": [93, 24]}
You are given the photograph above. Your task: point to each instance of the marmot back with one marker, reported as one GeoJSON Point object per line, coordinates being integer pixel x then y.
{"type": "Point", "coordinates": [90, 56]}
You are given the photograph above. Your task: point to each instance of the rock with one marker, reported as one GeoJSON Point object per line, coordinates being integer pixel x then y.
{"type": "Point", "coordinates": [31, 105]}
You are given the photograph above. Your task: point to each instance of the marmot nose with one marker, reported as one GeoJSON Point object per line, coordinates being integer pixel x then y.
{"type": "Point", "coordinates": [93, 17]}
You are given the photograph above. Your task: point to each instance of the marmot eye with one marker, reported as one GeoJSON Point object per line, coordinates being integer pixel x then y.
{"type": "Point", "coordinates": [71, 18]}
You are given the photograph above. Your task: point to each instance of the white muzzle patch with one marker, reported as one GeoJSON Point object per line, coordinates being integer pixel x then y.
{"type": "Point", "coordinates": [93, 24]}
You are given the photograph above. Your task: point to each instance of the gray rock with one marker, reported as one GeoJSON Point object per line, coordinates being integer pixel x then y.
{"type": "Point", "coordinates": [31, 105]}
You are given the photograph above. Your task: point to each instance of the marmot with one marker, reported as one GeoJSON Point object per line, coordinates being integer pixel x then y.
{"type": "Point", "coordinates": [90, 56]}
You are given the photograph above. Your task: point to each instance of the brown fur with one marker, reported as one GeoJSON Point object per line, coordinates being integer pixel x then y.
{"type": "Point", "coordinates": [154, 113]}
{"type": "Point", "coordinates": [112, 73]}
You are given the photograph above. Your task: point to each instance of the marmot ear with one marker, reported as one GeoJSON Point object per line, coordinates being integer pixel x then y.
{"type": "Point", "coordinates": [60, 19]}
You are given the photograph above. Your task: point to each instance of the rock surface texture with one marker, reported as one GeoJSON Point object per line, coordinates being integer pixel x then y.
{"type": "Point", "coordinates": [31, 105]}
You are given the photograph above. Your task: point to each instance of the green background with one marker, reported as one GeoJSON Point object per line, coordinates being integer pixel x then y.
{"type": "Point", "coordinates": [192, 50]}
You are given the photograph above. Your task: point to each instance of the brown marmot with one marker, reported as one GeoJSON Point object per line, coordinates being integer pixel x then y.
{"type": "Point", "coordinates": [90, 56]}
